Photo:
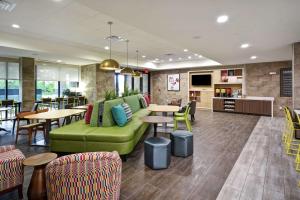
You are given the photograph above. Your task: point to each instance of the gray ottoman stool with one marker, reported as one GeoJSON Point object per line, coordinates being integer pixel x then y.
{"type": "Point", "coordinates": [182, 143]}
{"type": "Point", "coordinates": [157, 152]}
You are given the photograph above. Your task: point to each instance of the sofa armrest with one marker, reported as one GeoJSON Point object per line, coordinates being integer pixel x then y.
{"type": "Point", "coordinates": [7, 148]}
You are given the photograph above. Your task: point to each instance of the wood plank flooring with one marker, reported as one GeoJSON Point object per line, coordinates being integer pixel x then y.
{"type": "Point", "coordinates": [218, 140]}
{"type": "Point", "coordinates": [263, 170]}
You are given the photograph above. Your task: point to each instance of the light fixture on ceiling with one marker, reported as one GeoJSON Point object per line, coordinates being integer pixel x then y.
{"type": "Point", "coordinates": [200, 56]}
{"type": "Point", "coordinates": [190, 57]}
{"type": "Point", "coordinates": [143, 56]}
{"type": "Point", "coordinates": [6, 5]}
{"type": "Point", "coordinates": [127, 70]}
{"type": "Point", "coordinates": [222, 19]}
{"type": "Point", "coordinates": [179, 58]}
{"type": "Point", "coordinates": [170, 59]}
{"type": "Point", "coordinates": [15, 25]}
{"type": "Point", "coordinates": [185, 50]}
{"type": "Point", "coordinates": [109, 64]}
{"type": "Point", "coordinates": [245, 45]}
{"type": "Point", "coordinates": [137, 73]}
{"type": "Point", "coordinates": [253, 57]}
{"type": "Point", "coordinates": [195, 54]}
{"type": "Point", "coordinates": [106, 47]}
{"type": "Point", "coordinates": [59, 61]}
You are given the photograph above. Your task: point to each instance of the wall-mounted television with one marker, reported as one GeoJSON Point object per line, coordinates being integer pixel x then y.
{"type": "Point", "coordinates": [201, 80]}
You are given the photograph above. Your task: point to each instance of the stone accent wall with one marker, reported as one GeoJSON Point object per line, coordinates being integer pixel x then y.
{"type": "Point", "coordinates": [27, 67]}
{"type": "Point", "coordinates": [95, 82]}
{"type": "Point", "coordinates": [296, 75]}
{"type": "Point", "coordinates": [105, 81]}
{"type": "Point", "coordinates": [258, 82]}
{"type": "Point", "coordinates": [88, 81]}
{"type": "Point", "coordinates": [159, 90]}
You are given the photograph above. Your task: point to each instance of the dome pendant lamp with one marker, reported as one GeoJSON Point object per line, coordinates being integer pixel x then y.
{"type": "Point", "coordinates": [137, 73]}
{"type": "Point", "coordinates": [127, 70]}
{"type": "Point", "coordinates": [109, 64]}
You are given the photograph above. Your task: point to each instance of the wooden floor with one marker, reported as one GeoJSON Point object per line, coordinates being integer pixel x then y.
{"type": "Point", "coordinates": [263, 170]}
{"type": "Point", "coordinates": [218, 140]}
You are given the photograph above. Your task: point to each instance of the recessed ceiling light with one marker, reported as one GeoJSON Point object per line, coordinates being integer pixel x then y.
{"type": "Point", "coordinates": [156, 59]}
{"type": "Point", "coordinates": [170, 59]}
{"type": "Point", "coordinates": [106, 47]}
{"type": "Point", "coordinates": [195, 54]}
{"type": "Point", "coordinates": [244, 46]}
{"type": "Point", "coordinates": [15, 25]}
{"type": "Point", "coordinates": [253, 57]}
{"type": "Point", "coordinates": [200, 56]}
{"type": "Point", "coordinates": [143, 56]}
{"type": "Point", "coordinates": [185, 50]}
{"type": "Point", "coordinates": [57, 0]}
{"type": "Point", "coordinates": [222, 19]}
{"type": "Point", "coordinates": [190, 57]}
{"type": "Point", "coordinates": [58, 61]}
{"type": "Point", "coordinates": [179, 58]}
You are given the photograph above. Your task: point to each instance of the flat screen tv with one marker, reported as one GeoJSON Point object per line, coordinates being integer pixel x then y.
{"type": "Point", "coordinates": [201, 80]}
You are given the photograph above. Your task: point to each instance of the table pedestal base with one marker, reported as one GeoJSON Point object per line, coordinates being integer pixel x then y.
{"type": "Point", "coordinates": [37, 187]}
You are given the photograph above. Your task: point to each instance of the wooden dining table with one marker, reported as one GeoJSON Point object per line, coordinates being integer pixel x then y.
{"type": "Point", "coordinates": [49, 116]}
{"type": "Point", "coordinates": [164, 109]}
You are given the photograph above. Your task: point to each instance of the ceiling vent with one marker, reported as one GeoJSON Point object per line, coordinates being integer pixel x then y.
{"type": "Point", "coordinates": [6, 5]}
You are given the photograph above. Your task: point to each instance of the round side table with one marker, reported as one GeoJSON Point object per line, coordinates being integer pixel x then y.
{"type": "Point", "coordinates": [37, 187]}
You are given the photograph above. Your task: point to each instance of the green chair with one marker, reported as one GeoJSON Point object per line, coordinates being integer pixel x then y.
{"type": "Point", "coordinates": [183, 117]}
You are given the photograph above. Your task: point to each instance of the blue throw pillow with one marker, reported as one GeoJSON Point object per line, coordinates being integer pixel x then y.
{"type": "Point", "coordinates": [119, 115]}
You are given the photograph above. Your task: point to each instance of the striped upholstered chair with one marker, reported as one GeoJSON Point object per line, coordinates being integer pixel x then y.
{"type": "Point", "coordinates": [11, 170]}
{"type": "Point", "coordinates": [94, 175]}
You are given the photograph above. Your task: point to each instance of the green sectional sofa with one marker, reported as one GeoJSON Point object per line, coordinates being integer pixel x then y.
{"type": "Point", "coordinates": [81, 137]}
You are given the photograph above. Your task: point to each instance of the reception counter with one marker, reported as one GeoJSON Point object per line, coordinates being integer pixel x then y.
{"type": "Point", "coordinates": [248, 105]}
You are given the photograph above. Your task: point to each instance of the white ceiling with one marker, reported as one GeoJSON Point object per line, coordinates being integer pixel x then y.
{"type": "Point", "coordinates": [74, 30]}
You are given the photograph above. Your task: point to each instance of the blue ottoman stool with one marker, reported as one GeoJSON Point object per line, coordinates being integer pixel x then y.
{"type": "Point", "coordinates": [157, 152]}
{"type": "Point", "coordinates": [182, 143]}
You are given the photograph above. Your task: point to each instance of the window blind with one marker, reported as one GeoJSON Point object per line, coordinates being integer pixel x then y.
{"type": "Point", "coordinates": [2, 70]}
{"type": "Point", "coordinates": [54, 72]}
{"type": "Point", "coordinates": [13, 71]}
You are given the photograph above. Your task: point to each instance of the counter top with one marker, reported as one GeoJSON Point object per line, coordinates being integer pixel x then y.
{"type": "Point", "coordinates": [248, 98]}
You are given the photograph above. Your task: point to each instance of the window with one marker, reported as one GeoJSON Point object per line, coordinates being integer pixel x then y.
{"type": "Point", "coordinates": [53, 79]}
{"type": "Point", "coordinates": [145, 83]}
{"type": "Point", "coordinates": [286, 82]}
{"type": "Point", "coordinates": [46, 89]}
{"type": "Point", "coordinates": [9, 81]}
{"type": "Point", "coordinates": [137, 84]}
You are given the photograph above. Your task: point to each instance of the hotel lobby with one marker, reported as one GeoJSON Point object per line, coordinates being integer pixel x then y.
{"type": "Point", "coordinates": [149, 100]}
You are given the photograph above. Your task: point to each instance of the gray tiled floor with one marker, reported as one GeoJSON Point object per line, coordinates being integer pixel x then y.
{"type": "Point", "coordinates": [263, 170]}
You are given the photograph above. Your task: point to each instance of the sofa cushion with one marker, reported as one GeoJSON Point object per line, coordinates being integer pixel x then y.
{"type": "Point", "coordinates": [141, 113]}
{"type": "Point", "coordinates": [115, 134]}
{"type": "Point", "coordinates": [119, 115]}
{"type": "Point", "coordinates": [143, 102]}
{"type": "Point", "coordinates": [88, 114]}
{"type": "Point", "coordinates": [95, 114]}
{"type": "Point", "coordinates": [74, 131]}
{"type": "Point", "coordinates": [147, 99]}
{"type": "Point", "coordinates": [128, 111]}
{"type": "Point", "coordinates": [107, 118]}
{"type": "Point", "coordinates": [133, 102]}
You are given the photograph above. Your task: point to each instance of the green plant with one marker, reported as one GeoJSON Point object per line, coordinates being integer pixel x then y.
{"type": "Point", "coordinates": [136, 91]}
{"type": "Point", "coordinates": [126, 91]}
{"type": "Point", "coordinates": [110, 95]}
{"type": "Point", "coordinates": [66, 92]}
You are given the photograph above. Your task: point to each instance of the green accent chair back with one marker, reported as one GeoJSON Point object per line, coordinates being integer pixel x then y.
{"type": "Point", "coordinates": [183, 117]}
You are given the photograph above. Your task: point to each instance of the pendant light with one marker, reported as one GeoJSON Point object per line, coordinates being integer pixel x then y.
{"type": "Point", "coordinates": [127, 70]}
{"type": "Point", "coordinates": [137, 73]}
{"type": "Point", "coordinates": [109, 64]}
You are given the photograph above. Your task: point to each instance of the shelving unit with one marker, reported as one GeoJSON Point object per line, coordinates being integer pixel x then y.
{"type": "Point", "coordinates": [229, 105]}
{"type": "Point", "coordinates": [195, 95]}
